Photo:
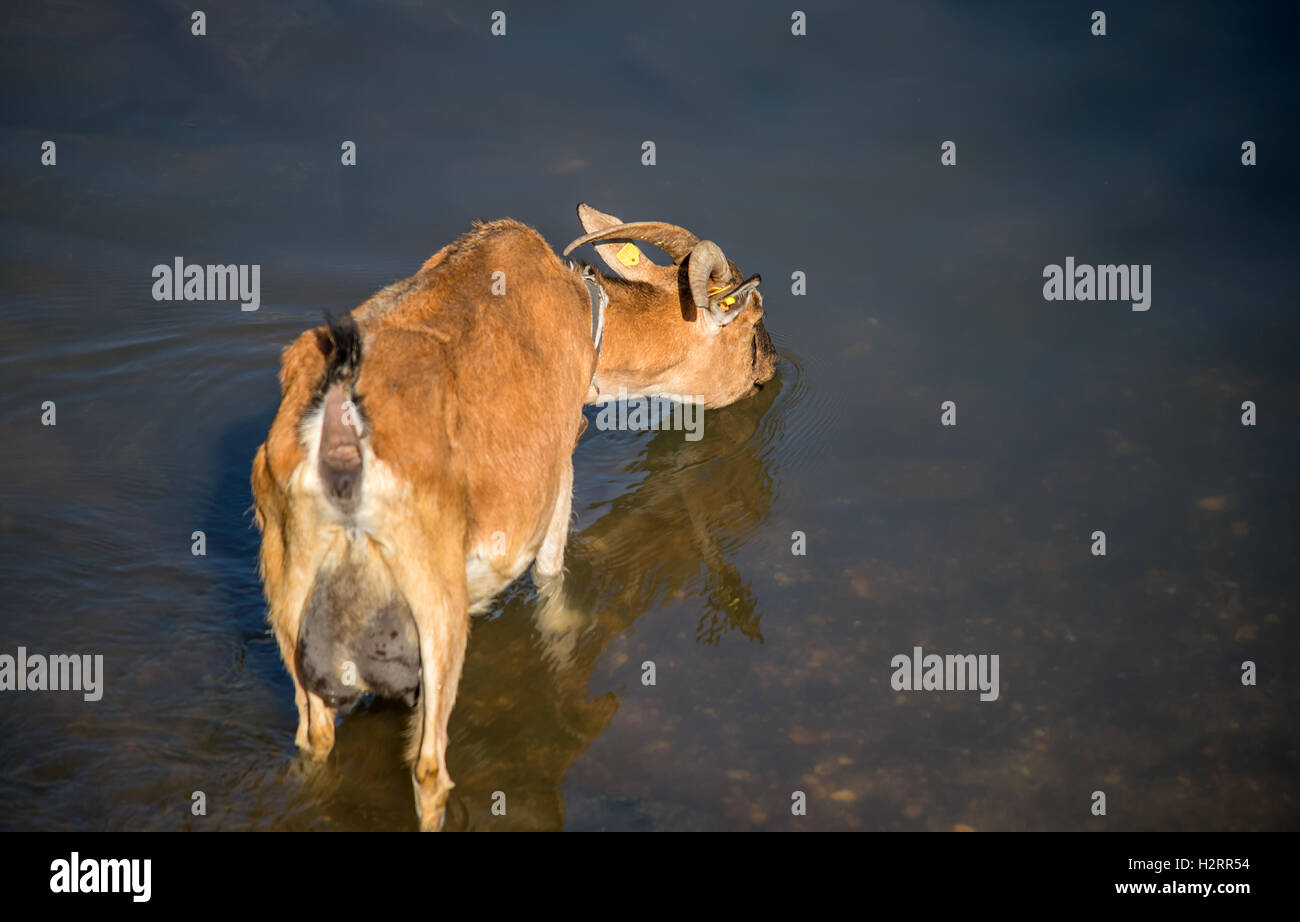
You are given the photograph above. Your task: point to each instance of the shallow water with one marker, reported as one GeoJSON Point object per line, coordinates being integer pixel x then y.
{"type": "Point", "coordinates": [820, 154]}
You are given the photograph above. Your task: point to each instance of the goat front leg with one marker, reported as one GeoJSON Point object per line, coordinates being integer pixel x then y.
{"type": "Point", "coordinates": [558, 623]}
{"type": "Point", "coordinates": [550, 558]}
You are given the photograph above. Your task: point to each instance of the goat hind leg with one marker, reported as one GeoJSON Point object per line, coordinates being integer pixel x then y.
{"type": "Point", "coordinates": [315, 735]}
{"type": "Point", "coordinates": [436, 592]}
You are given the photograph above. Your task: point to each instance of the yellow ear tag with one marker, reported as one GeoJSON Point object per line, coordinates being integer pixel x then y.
{"type": "Point", "coordinates": [629, 255]}
{"type": "Point", "coordinates": [727, 302]}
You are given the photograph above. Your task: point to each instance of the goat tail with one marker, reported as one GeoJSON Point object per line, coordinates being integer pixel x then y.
{"type": "Point", "coordinates": [342, 421]}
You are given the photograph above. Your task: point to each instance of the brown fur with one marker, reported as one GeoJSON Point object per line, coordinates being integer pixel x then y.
{"type": "Point", "coordinates": [470, 406]}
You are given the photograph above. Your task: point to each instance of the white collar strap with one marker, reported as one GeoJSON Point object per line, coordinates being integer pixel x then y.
{"type": "Point", "coordinates": [599, 301]}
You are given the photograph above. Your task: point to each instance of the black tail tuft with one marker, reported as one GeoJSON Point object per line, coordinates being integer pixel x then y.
{"type": "Point", "coordinates": [340, 342]}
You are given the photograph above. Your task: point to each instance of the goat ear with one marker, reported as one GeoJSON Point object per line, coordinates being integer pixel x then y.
{"type": "Point", "coordinates": [626, 259]}
{"type": "Point", "coordinates": [725, 306]}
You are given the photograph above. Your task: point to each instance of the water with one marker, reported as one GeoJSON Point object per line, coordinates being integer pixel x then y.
{"type": "Point", "coordinates": [820, 154]}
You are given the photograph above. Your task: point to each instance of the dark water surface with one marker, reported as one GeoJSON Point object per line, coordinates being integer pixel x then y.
{"type": "Point", "coordinates": [818, 154]}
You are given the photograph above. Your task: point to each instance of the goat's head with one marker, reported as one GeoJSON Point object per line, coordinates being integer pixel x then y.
{"type": "Point", "coordinates": [693, 328]}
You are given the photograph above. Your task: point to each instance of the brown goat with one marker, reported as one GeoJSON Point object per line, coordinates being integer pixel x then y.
{"type": "Point", "coordinates": [421, 457]}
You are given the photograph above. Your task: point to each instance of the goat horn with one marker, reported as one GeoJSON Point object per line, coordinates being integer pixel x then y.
{"type": "Point", "coordinates": [707, 264]}
{"type": "Point", "coordinates": [676, 241]}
